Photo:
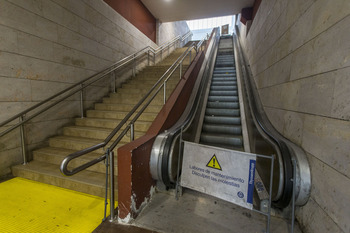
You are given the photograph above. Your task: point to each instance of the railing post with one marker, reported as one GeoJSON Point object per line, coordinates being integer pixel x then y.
{"type": "Point", "coordinates": [148, 58]}
{"type": "Point", "coordinates": [154, 58]}
{"type": "Point", "coordinates": [164, 97]}
{"type": "Point", "coordinates": [180, 69]}
{"type": "Point", "coordinates": [134, 67]}
{"type": "Point", "coordinates": [113, 80]}
{"type": "Point", "coordinates": [111, 172]}
{"type": "Point", "coordinates": [23, 142]}
{"type": "Point", "coordinates": [82, 101]}
{"type": "Point", "coordinates": [132, 132]}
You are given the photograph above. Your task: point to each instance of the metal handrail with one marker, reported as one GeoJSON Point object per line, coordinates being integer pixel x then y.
{"type": "Point", "coordinates": [65, 162]}
{"type": "Point", "coordinates": [99, 76]}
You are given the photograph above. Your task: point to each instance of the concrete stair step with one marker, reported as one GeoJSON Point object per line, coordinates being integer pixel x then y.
{"type": "Point", "coordinates": [146, 116]}
{"type": "Point", "coordinates": [141, 126]}
{"type": "Point", "coordinates": [158, 100]}
{"type": "Point", "coordinates": [137, 96]}
{"type": "Point", "coordinates": [142, 85]}
{"type": "Point", "coordinates": [140, 90]}
{"type": "Point", "coordinates": [95, 133]}
{"type": "Point", "coordinates": [77, 143]}
{"type": "Point", "coordinates": [125, 107]}
{"type": "Point", "coordinates": [55, 155]}
{"type": "Point", "coordinates": [149, 82]}
{"type": "Point", "coordinates": [88, 182]}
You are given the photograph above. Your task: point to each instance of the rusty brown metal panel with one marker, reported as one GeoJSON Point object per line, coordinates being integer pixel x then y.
{"type": "Point", "coordinates": [134, 177]}
{"type": "Point", "coordinates": [137, 14]}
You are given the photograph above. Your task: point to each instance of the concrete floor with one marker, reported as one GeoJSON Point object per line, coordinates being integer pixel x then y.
{"type": "Point", "coordinates": [196, 212]}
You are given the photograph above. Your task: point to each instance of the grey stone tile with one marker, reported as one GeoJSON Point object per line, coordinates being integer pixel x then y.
{"type": "Point", "coordinates": [293, 126]}
{"type": "Point", "coordinates": [50, 88]}
{"type": "Point", "coordinates": [320, 16]}
{"type": "Point", "coordinates": [330, 189]}
{"type": "Point", "coordinates": [316, 94]}
{"type": "Point", "coordinates": [8, 39]}
{"type": "Point", "coordinates": [15, 89]}
{"type": "Point", "coordinates": [9, 158]}
{"type": "Point", "coordinates": [17, 17]}
{"type": "Point", "coordinates": [9, 109]}
{"type": "Point", "coordinates": [276, 117]}
{"type": "Point", "coordinates": [341, 98]}
{"type": "Point", "coordinates": [324, 53]}
{"type": "Point", "coordinates": [33, 46]}
{"type": "Point", "coordinates": [328, 140]}
{"type": "Point", "coordinates": [46, 29]}
{"type": "Point", "coordinates": [11, 140]}
{"type": "Point", "coordinates": [34, 6]}
{"type": "Point", "coordinates": [314, 219]}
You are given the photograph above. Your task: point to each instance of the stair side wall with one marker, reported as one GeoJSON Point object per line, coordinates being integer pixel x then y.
{"type": "Point", "coordinates": [46, 46]}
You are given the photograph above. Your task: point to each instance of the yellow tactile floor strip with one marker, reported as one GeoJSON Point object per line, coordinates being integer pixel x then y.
{"type": "Point", "coordinates": [29, 206]}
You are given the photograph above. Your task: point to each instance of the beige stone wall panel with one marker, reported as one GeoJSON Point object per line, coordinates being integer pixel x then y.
{"type": "Point", "coordinates": [299, 53]}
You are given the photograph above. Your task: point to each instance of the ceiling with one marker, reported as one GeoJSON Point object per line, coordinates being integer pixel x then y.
{"type": "Point", "coordinates": [176, 10]}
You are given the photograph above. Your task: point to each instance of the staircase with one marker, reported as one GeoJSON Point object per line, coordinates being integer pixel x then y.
{"type": "Point", "coordinates": [94, 128]}
{"type": "Point", "coordinates": [222, 122]}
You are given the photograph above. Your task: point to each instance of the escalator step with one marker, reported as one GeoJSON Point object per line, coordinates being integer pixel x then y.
{"type": "Point", "coordinates": [226, 105]}
{"type": "Point", "coordinates": [223, 98]}
{"type": "Point", "coordinates": [224, 78]}
{"type": "Point", "coordinates": [222, 112]}
{"type": "Point", "coordinates": [224, 72]}
{"type": "Point", "coordinates": [222, 120]}
{"type": "Point", "coordinates": [223, 88]}
{"type": "Point", "coordinates": [223, 83]}
{"type": "Point", "coordinates": [223, 140]}
{"type": "Point", "coordinates": [223, 93]}
{"type": "Point", "coordinates": [222, 129]}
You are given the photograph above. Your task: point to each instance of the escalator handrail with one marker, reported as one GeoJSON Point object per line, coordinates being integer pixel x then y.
{"type": "Point", "coordinates": [287, 149]}
{"type": "Point", "coordinates": [187, 117]}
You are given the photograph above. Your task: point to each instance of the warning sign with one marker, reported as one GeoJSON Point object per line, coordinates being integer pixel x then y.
{"type": "Point", "coordinates": [214, 163]}
{"type": "Point", "coordinates": [231, 179]}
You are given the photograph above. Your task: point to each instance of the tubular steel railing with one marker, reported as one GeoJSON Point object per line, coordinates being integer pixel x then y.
{"type": "Point", "coordinates": [109, 153]}
{"type": "Point", "coordinates": [52, 101]}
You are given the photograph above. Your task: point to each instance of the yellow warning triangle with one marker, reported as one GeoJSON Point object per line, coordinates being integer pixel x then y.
{"type": "Point", "coordinates": [214, 163]}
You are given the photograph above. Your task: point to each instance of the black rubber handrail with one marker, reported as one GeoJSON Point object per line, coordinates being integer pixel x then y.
{"type": "Point", "coordinates": [265, 125]}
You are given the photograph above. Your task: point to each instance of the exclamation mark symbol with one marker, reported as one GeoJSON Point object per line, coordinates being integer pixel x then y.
{"type": "Point", "coordinates": [214, 162]}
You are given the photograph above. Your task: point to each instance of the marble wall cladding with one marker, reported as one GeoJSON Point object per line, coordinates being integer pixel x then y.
{"type": "Point", "coordinates": [299, 55]}
{"type": "Point", "coordinates": [167, 31]}
{"type": "Point", "coordinates": [48, 45]}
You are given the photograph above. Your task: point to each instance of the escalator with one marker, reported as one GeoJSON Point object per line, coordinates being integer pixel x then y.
{"type": "Point", "coordinates": [222, 121]}
{"type": "Point", "coordinates": [225, 111]}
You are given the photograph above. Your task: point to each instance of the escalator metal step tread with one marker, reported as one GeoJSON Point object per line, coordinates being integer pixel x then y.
{"type": "Point", "coordinates": [224, 79]}
{"type": "Point", "coordinates": [227, 105]}
{"type": "Point", "coordinates": [222, 112]}
{"type": "Point", "coordinates": [223, 93]}
{"type": "Point", "coordinates": [223, 120]}
{"type": "Point", "coordinates": [223, 98]}
{"type": "Point", "coordinates": [223, 83]}
{"type": "Point", "coordinates": [223, 88]}
{"type": "Point", "coordinates": [224, 140]}
{"type": "Point", "coordinates": [222, 129]}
